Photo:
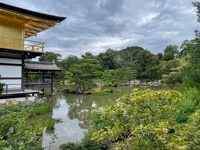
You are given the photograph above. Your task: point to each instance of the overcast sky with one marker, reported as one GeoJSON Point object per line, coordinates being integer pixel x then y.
{"type": "Point", "coordinates": [96, 25]}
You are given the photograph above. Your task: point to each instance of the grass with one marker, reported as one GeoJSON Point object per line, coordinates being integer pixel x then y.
{"type": "Point", "coordinates": [189, 103]}
{"type": "Point", "coordinates": [39, 109]}
{"type": "Point", "coordinates": [50, 123]}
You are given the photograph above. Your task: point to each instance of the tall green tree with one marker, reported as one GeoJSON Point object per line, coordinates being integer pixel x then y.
{"type": "Point", "coordinates": [171, 70]}
{"type": "Point", "coordinates": [192, 70]}
{"type": "Point", "coordinates": [87, 54]}
{"type": "Point", "coordinates": [146, 64]}
{"type": "Point", "coordinates": [170, 52]}
{"type": "Point", "coordinates": [117, 77]}
{"type": "Point", "coordinates": [109, 59]}
{"type": "Point", "coordinates": [84, 73]}
{"type": "Point", "coordinates": [68, 61]}
{"type": "Point", "coordinates": [50, 57]}
{"type": "Point", "coordinates": [65, 64]}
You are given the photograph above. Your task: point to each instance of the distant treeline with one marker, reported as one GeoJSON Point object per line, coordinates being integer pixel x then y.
{"type": "Point", "coordinates": [143, 64]}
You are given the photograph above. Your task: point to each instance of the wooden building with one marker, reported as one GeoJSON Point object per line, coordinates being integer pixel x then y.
{"type": "Point", "coordinates": [16, 25]}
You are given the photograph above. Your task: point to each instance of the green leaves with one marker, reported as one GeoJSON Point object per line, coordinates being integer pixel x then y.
{"type": "Point", "coordinates": [16, 133]}
{"type": "Point", "coordinates": [84, 73]}
{"type": "Point", "coordinates": [143, 119]}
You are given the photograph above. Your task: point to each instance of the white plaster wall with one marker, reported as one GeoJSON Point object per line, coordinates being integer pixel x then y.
{"type": "Point", "coordinates": [10, 61]}
{"type": "Point", "coordinates": [11, 71]}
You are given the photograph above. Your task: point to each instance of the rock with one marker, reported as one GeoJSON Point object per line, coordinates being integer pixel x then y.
{"type": "Point", "coordinates": [26, 102]}
{"type": "Point", "coordinates": [11, 102]}
{"type": "Point", "coordinates": [41, 100]}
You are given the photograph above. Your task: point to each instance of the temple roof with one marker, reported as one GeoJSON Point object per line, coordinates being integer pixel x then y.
{"type": "Point", "coordinates": [12, 53]}
{"type": "Point", "coordinates": [40, 66]}
{"type": "Point", "coordinates": [34, 22]}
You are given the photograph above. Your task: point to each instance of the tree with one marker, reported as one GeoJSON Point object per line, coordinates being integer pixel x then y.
{"type": "Point", "coordinates": [115, 77]}
{"type": "Point", "coordinates": [129, 56]}
{"type": "Point", "coordinates": [170, 52]}
{"type": "Point", "coordinates": [108, 59]}
{"type": "Point", "coordinates": [192, 70]}
{"type": "Point", "coordinates": [50, 57]}
{"type": "Point", "coordinates": [146, 65]}
{"type": "Point", "coordinates": [84, 73]}
{"type": "Point", "coordinates": [67, 62]}
{"type": "Point", "coordinates": [87, 54]}
{"type": "Point", "coordinates": [184, 48]}
{"type": "Point", "coordinates": [171, 70]}
{"type": "Point", "coordinates": [197, 5]}
{"type": "Point", "coordinates": [145, 119]}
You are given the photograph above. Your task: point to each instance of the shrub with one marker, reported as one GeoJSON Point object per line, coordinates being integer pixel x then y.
{"type": "Point", "coordinates": [188, 104]}
{"type": "Point", "coordinates": [50, 123]}
{"type": "Point", "coordinates": [144, 119]}
{"type": "Point", "coordinates": [15, 132]}
{"type": "Point", "coordinates": [39, 109]}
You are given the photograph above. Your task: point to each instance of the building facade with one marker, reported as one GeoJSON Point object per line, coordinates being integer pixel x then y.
{"type": "Point", "coordinates": [16, 25]}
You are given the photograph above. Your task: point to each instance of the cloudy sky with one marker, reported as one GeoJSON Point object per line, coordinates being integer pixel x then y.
{"type": "Point", "coordinates": [96, 25]}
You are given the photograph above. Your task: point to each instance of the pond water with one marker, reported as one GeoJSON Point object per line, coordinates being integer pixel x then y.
{"type": "Point", "coordinates": [73, 112]}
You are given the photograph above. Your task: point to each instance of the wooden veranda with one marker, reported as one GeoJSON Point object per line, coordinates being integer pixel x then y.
{"type": "Point", "coordinates": [45, 72]}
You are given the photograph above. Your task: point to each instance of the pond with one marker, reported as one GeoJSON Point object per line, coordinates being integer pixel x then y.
{"type": "Point", "coordinates": [73, 112]}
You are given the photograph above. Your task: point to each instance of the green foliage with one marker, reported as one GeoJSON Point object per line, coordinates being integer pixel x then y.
{"type": "Point", "coordinates": [117, 76]}
{"type": "Point", "coordinates": [171, 71]}
{"type": "Point", "coordinates": [145, 119]}
{"type": "Point", "coordinates": [188, 104]}
{"type": "Point", "coordinates": [191, 71]}
{"type": "Point", "coordinates": [84, 73]}
{"type": "Point", "coordinates": [85, 144]}
{"type": "Point", "coordinates": [194, 130]}
{"type": "Point", "coordinates": [15, 132]}
{"type": "Point", "coordinates": [50, 57]}
{"type": "Point", "coordinates": [50, 123]}
{"type": "Point", "coordinates": [70, 146]}
{"type": "Point", "coordinates": [191, 50]}
{"type": "Point", "coordinates": [39, 109]}
{"type": "Point", "coordinates": [170, 52]}
{"type": "Point", "coordinates": [109, 59]}
{"type": "Point", "coordinates": [142, 61]}
{"type": "Point", "coordinates": [70, 60]}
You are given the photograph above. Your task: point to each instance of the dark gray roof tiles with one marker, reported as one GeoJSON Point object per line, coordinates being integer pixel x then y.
{"type": "Point", "coordinates": [31, 13]}
{"type": "Point", "coordinates": [40, 66]}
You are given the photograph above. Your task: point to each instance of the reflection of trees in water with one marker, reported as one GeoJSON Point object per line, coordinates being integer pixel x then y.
{"type": "Point", "coordinates": [49, 132]}
{"type": "Point", "coordinates": [80, 108]}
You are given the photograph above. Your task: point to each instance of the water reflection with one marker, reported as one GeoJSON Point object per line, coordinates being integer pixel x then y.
{"type": "Point", "coordinates": [73, 113]}
{"type": "Point", "coordinates": [66, 129]}
{"type": "Point", "coordinates": [80, 108]}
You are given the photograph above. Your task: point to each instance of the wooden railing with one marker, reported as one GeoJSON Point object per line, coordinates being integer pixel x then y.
{"type": "Point", "coordinates": [22, 87]}
{"type": "Point", "coordinates": [34, 46]}
{"type": "Point", "coordinates": [20, 44]}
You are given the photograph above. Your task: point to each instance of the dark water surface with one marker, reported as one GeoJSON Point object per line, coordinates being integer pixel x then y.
{"type": "Point", "coordinates": [73, 112]}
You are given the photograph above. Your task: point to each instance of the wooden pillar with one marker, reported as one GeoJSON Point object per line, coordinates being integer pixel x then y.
{"type": "Point", "coordinates": [43, 80]}
{"type": "Point", "coordinates": [26, 76]}
{"type": "Point", "coordinates": [52, 74]}
{"type": "Point", "coordinates": [25, 79]}
{"type": "Point", "coordinates": [22, 77]}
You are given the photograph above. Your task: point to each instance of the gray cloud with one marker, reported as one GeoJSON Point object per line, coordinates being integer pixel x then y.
{"type": "Point", "coordinates": [96, 25]}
